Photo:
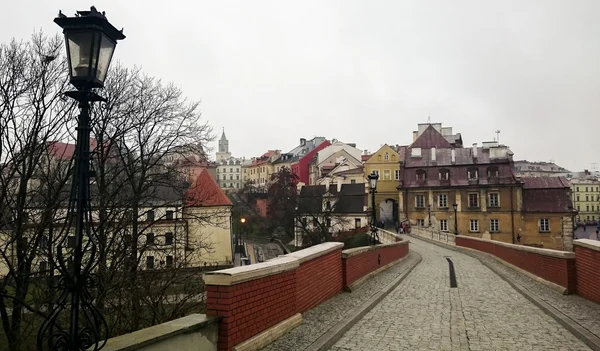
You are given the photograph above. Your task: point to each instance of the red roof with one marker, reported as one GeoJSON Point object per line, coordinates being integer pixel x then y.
{"type": "Point", "coordinates": [206, 193]}
{"type": "Point", "coordinates": [65, 151]}
{"type": "Point", "coordinates": [431, 138]}
{"type": "Point", "coordinates": [264, 158]}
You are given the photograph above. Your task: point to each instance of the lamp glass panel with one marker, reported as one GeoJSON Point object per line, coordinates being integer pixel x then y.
{"type": "Point", "coordinates": [80, 47]}
{"type": "Point", "coordinates": [373, 182]}
{"type": "Point", "coordinates": [107, 48]}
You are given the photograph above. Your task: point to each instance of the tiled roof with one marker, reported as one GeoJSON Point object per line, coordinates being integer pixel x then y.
{"type": "Point", "coordinates": [431, 138]}
{"type": "Point", "coordinates": [262, 159]}
{"type": "Point", "coordinates": [351, 198]}
{"type": "Point", "coordinates": [547, 200]}
{"type": "Point", "coordinates": [545, 183]}
{"type": "Point", "coordinates": [206, 193]}
{"type": "Point", "coordinates": [358, 170]}
{"type": "Point", "coordinates": [65, 151]}
{"type": "Point", "coordinates": [458, 176]}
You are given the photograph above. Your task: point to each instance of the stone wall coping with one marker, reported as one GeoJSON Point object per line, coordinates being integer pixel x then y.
{"type": "Point", "coordinates": [588, 244]}
{"type": "Point", "coordinates": [152, 335]}
{"type": "Point", "coordinates": [232, 276]}
{"type": "Point", "coordinates": [314, 251]}
{"type": "Point", "coordinates": [535, 250]}
{"type": "Point", "coordinates": [360, 250]}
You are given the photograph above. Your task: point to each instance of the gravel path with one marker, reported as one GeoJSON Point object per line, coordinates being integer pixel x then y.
{"type": "Point", "coordinates": [320, 319]}
{"type": "Point", "coordinates": [482, 313]}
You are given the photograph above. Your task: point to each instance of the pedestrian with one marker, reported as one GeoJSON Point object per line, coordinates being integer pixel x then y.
{"type": "Point", "coordinates": [597, 235]}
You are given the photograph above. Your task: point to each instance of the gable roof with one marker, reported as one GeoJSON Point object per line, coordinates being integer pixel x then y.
{"type": "Point", "coordinates": [382, 148]}
{"type": "Point", "coordinates": [205, 192]}
{"type": "Point", "coordinates": [431, 138]}
{"type": "Point", "coordinates": [545, 183]}
{"type": "Point", "coordinates": [262, 159]}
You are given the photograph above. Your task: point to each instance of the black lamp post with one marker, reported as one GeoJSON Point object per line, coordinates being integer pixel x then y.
{"type": "Point", "coordinates": [455, 206]}
{"type": "Point", "coordinates": [75, 323]}
{"type": "Point", "coordinates": [429, 214]}
{"type": "Point", "coordinates": [373, 177]}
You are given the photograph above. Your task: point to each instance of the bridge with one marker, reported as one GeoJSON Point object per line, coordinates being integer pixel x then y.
{"type": "Point", "coordinates": [426, 291]}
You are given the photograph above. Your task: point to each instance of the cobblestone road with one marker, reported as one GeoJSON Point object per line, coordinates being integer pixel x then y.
{"type": "Point", "coordinates": [483, 313]}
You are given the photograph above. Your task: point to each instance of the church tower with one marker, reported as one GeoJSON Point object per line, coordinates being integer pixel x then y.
{"type": "Point", "coordinates": [223, 153]}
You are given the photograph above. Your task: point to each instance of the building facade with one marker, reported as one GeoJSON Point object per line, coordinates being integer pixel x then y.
{"type": "Point", "coordinates": [229, 174]}
{"type": "Point", "coordinates": [386, 163]}
{"type": "Point", "coordinates": [303, 154]}
{"type": "Point", "coordinates": [586, 197]}
{"type": "Point", "coordinates": [261, 168]}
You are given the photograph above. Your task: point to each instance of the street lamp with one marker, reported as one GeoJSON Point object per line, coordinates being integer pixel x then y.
{"type": "Point", "coordinates": [90, 42]}
{"type": "Point", "coordinates": [455, 206]}
{"type": "Point", "coordinates": [429, 215]}
{"type": "Point", "coordinates": [373, 177]}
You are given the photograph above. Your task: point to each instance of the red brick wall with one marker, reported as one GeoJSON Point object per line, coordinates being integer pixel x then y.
{"type": "Point", "coordinates": [560, 271]}
{"type": "Point", "coordinates": [588, 273]}
{"type": "Point", "coordinates": [357, 266]}
{"type": "Point", "coordinates": [318, 280]}
{"type": "Point", "coordinates": [250, 307]}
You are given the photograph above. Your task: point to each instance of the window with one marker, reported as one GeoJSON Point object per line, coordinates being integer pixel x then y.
{"type": "Point", "coordinates": [356, 222]}
{"type": "Point", "coordinates": [473, 200]}
{"type": "Point", "coordinates": [231, 170]}
{"type": "Point", "coordinates": [386, 156]}
{"type": "Point", "coordinates": [444, 174]}
{"type": "Point", "coordinates": [443, 201]}
{"type": "Point", "coordinates": [494, 226]}
{"type": "Point", "coordinates": [387, 174]}
{"type": "Point", "coordinates": [444, 225]}
{"type": "Point", "coordinates": [577, 189]}
{"type": "Point", "coordinates": [544, 225]}
{"type": "Point", "coordinates": [578, 208]}
{"type": "Point", "coordinates": [421, 175]}
{"type": "Point", "coordinates": [168, 238]}
{"type": "Point", "coordinates": [149, 262]}
{"type": "Point", "coordinates": [237, 177]}
{"type": "Point", "coordinates": [474, 225]}
{"type": "Point", "coordinates": [421, 222]}
{"type": "Point", "coordinates": [492, 172]}
{"type": "Point", "coordinates": [586, 188]}
{"type": "Point", "coordinates": [150, 239]}
{"type": "Point", "coordinates": [587, 198]}
{"type": "Point", "coordinates": [328, 222]}
{"type": "Point", "coordinates": [71, 241]}
{"type": "Point", "coordinates": [169, 261]}
{"type": "Point", "coordinates": [231, 177]}
{"type": "Point", "coordinates": [397, 174]}
{"type": "Point", "coordinates": [150, 215]}
{"type": "Point", "coordinates": [352, 181]}
{"type": "Point", "coordinates": [494, 200]}
{"type": "Point", "coordinates": [587, 208]}
{"type": "Point", "coordinates": [420, 201]}
{"type": "Point", "coordinates": [169, 215]}
{"type": "Point", "coordinates": [577, 197]}
{"type": "Point", "coordinates": [217, 177]}
{"type": "Point", "coordinates": [473, 173]}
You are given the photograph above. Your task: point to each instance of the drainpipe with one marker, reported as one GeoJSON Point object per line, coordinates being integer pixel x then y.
{"type": "Point", "coordinates": [512, 214]}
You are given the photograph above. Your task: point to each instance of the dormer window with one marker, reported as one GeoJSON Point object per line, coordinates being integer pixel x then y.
{"type": "Point", "coordinates": [421, 175]}
{"type": "Point", "coordinates": [473, 173]}
{"type": "Point", "coordinates": [493, 172]}
{"type": "Point", "coordinates": [444, 174]}
{"type": "Point", "coordinates": [386, 156]}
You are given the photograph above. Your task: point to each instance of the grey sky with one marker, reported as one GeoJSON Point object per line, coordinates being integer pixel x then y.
{"type": "Point", "coordinates": [271, 72]}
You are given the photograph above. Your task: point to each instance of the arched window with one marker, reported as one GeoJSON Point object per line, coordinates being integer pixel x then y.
{"type": "Point", "coordinates": [472, 173]}
{"type": "Point", "coordinates": [493, 172]}
{"type": "Point", "coordinates": [444, 174]}
{"type": "Point", "coordinates": [421, 175]}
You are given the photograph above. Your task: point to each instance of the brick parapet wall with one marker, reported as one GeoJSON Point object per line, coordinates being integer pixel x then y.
{"type": "Point", "coordinates": [555, 266]}
{"type": "Point", "coordinates": [359, 262]}
{"type": "Point", "coordinates": [588, 268]}
{"type": "Point", "coordinates": [251, 299]}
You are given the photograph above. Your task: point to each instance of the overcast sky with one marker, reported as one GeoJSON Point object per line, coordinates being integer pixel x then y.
{"type": "Point", "coordinates": [271, 72]}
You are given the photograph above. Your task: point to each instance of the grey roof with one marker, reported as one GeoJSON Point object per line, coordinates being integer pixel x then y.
{"type": "Point", "coordinates": [302, 150]}
{"type": "Point", "coordinates": [351, 199]}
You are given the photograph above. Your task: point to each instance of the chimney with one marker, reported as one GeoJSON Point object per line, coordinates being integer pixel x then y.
{"type": "Point", "coordinates": [339, 185]}
{"type": "Point", "coordinates": [453, 156]}
{"type": "Point", "coordinates": [365, 152]}
{"type": "Point", "coordinates": [474, 150]}
{"type": "Point", "coordinates": [415, 135]}
{"type": "Point", "coordinates": [433, 155]}
{"type": "Point", "coordinates": [302, 141]}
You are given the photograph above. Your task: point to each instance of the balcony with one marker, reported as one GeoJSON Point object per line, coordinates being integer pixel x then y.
{"type": "Point", "coordinates": [474, 181]}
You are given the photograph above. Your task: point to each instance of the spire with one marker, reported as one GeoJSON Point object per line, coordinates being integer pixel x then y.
{"type": "Point", "coordinates": [223, 137]}
{"type": "Point", "coordinates": [223, 143]}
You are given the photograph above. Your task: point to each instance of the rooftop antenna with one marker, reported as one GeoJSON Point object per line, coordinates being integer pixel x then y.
{"type": "Point", "coordinates": [497, 135]}
{"type": "Point", "coordinates": [594, 166]}
{"type": "Point", "coordinates": [429, 119]}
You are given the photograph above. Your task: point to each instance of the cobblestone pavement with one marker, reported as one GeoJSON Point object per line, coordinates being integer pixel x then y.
{"type": "Point", "coordinates": [483, 313]}
{"type": "Point", "coordinates": [320, 319]}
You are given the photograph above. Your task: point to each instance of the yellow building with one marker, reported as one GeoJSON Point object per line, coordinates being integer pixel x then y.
{"type": "Point", "coordinates": [261, 168]}
{"type": "Point", "coordinates": [385, 162]}
{"type": "Point", "coordinates": [586, 198]}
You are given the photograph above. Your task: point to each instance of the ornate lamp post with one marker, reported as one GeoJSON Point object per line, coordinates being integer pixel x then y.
{"type": "Point", "coordinates": [373, 177]}
{"type": "Point", "coordinates": [455, 206]}
{"type": "Point", "coordinates": [75, 323]}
